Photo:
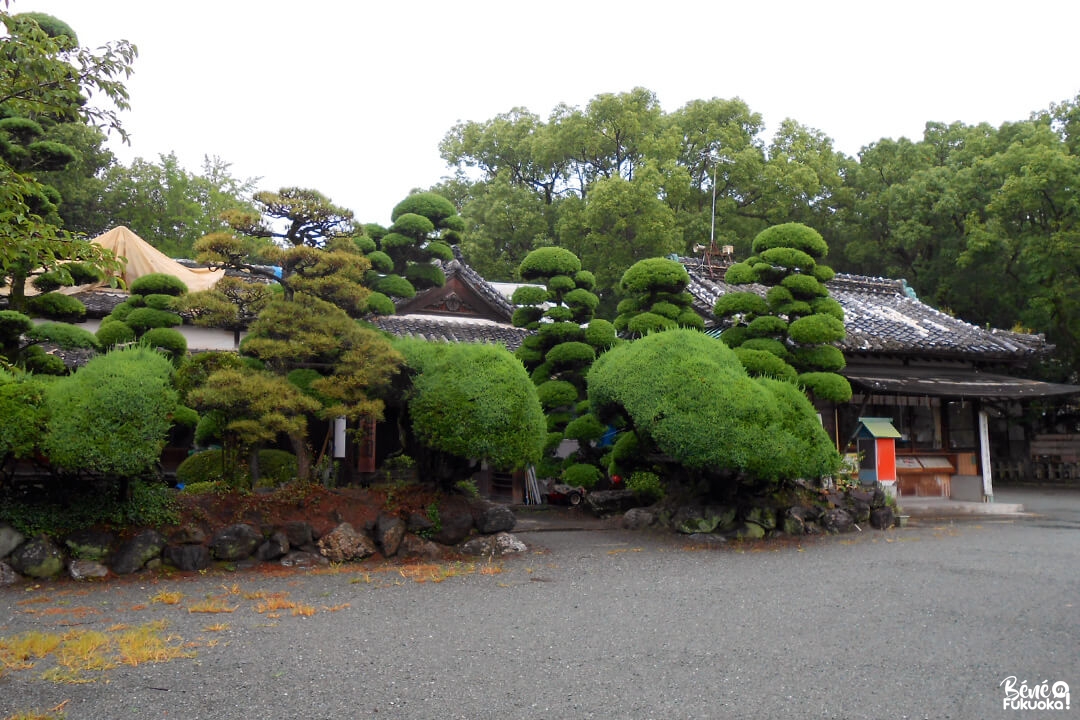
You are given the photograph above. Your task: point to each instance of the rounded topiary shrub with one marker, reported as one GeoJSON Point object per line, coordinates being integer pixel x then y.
{"type": "Point", "coordinates": [431, 205]}
{"type": "Point", "coordinates": [142, 319]}
{"type": "Point", "coordinates": [425, 275]}
{"type": "Point", "coordinates": [114, 333]}
{"type": "Point", "coordinates": [64, 335]}
{"type": "Point", "coordinates": [56, 306]}
{"type": "Point", "coordinates": [159, 301]}
{"type": "Point", "coordinates": [655, 275]}
{"type": "Point", "coordinates": [159, 284]}
{"type": "Point", "coordinates": [412, 224]}
{"type": "Point", "coordinates": [557, 393]}
{"type": "Point", "coordinates": [395, 286]}
{"type": "Point", "coordinates": [380, 261]}
{"type": "Point", "coordinates": [581, 475]}
{"type": "Point", "coordinates": [167, 339]}
{"type": "Point", "coordinates": [548, 262]}
{"type": "Point", "coordinates": [379, 304]}
{"type": "Point", "coordinates": [39, 362]}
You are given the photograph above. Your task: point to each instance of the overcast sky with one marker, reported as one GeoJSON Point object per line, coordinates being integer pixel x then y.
{"type": "Point", "coordinates": [352, 98]}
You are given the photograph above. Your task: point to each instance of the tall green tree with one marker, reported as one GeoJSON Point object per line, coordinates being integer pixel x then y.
{"type": "Point", "coordinates": [46, 78]}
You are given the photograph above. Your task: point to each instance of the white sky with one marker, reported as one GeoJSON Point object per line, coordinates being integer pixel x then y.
{"type": "Point", "coordinates": [352, 98]}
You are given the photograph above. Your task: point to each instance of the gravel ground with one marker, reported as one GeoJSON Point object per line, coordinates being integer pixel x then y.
{"type": "Point", "coordinates": [920, 622]}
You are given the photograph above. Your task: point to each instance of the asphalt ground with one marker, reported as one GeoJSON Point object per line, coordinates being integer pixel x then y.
{"type": "Point", "coordinates": [924, 621]}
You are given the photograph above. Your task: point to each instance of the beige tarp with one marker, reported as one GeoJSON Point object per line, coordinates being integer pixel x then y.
{"type": "Point", "coordinates": [143, 259]}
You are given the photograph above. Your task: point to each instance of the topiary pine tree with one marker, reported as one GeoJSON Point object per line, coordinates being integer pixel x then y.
{"type": "Point", "coordinates": [559, 355]}
{"type": "Point", "coordinates": [655, 299]}
{"type": "Point", "coordinates": [425, 227]}
{"type": "Point", "coordinates": [791, 331]}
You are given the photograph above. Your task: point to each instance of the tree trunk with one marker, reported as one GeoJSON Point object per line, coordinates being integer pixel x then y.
{"type": "Point", "coordinates": [253, 467]}
{"type": "Point", "coordinates": [303, 458]}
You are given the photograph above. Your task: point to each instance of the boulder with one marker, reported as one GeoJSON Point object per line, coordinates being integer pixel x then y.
{"type": "Point", "coordinates": [493, 545]}
{"type": "Point", "coordinates": [188, 535]}
{"type": "Point", "coordinates": [299, 533]}
{"type": "Point", "coordinates": [37, 558]}
{"type": "Point", "coordinates": [747, 531]}
{"type": "Point", "coordinates": [882, 518]}
{"type": "Point", "coordinates": [343, 544]}
{"type": "Point", "coordinates": [274, 547]}
{"type": "Point", "coordinates": [495, 518]}
{"type": "Point", "coordinates": [793, 524]}
{"type": "Point", "coordinates": [302, 560]}
{"type": "Point", "coordinates": [859, 509]}
{"type": "Point", "coordinates": [457, 524]}
{"type": "Point", "coordinates": [235, 542]}
{"type": "Point", "coordinates": [86, 570]}
{"type": "Point", "coordinates": [389, 532]}
{"type": "Point", "coordinates": [90, 544]}
{"type": "Point", "coordinates": [8, 576]}
{"type": "Point", "coordinates": [713, 518]}
{"type": "Point", "coordinates": [837, 520]}
{"type": "Point", "coordinates": [10, 538]}
{"type": "Point", "coordinates": [136, 552]}
{"type": "Point", "coordinates": [189, 558]}
{"type": "Point", "coordinates": [763, 516]}
{"type": "Point", "coordinates": [414, 546]}
{"type": "Point", "coordinates": [611, 502]}
{"type": "Point", "coordinates": [638, 519]}
{"type": "Point", "coordinates": [420, 524]}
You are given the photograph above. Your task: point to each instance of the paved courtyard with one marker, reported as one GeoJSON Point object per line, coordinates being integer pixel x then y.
{"type": "Point", "coordinates": [921, 622]}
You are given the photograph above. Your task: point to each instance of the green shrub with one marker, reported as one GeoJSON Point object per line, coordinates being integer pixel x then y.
{"type": "Point", "coordinates": [827, 386]}
{"type": "Point", "coordinates": [22, 406]}
{"type": "Point", "coordinates": [559, 313]}
{"type": "Point", "coordinates": [425, 275]}
{"type": "Point", "coordinates": [804, 286]}
{"type": "Point", "coordinates": [114, 333]}
{"type": "Point", "coordinates": [581, 475]}
{"type": "Point", "coordinates": [740, 303]}
{"type": "Point", "coordinates": [527, 317]}
{"type": "Point", "coordinates": [142, 319]}
{"type": "Point", "coordinates": [441, 251]}
{"type": "Point", "coordinates": [160, 302]}
{"type": "Point", "coordinates": [206, 488]}
{"type": "Point", "coordinates": [112, 416]}
{"type": "Point", "coordinates": [815, 329]}
{"type": "Point", "coordinates": [473, 401]}
{"type": "Point", "coordinates": [646, 485]}
{"type": "Point", "coordinates": [766, 326]}
{"type": "Point", "coordinates": [171, 341]}
{"type": "Point", "coordinates": [184, 416]}
{"type": "Point", "coordinates": [276, 467]}
{"type": "Point", "coordinates": [740, 273]}
{"type": "Point", "coordinates": [789, 258]}
{"type": "Point", "coordinates": [561, 284]}
{"type": "Point", "coordinates": [529, 295]}
{"type": "Point", "coordinates": [655, 275]}
{"type": "Point", "coordinates": [601, 334]}
{"type": "Point", "coordinates": [547, 262]}
{"type": "Point", "coordinates": [380, 261]}
{"type": "Point", "coordinates": [764, 363]}
{"type": "Point", "coordinates": [557, 393]}
{"type": "Point", "coordinates": [37, 361]}
{"type": "Point", "coordinates": [64, 335]}
{"type": "Point", "coordinates": [431, 205]}
{"type": "Point", "coordinates": [57, 307]}
{"type": "Point", "coordinates": [791, 235]}
{"type": "Point", "coordinates": [365, 244]}
{"type": "Point", "coordinates": [380, 304]}
{"type": "Point", "coordinates": [585, 428]}
{"type": "Point", "coordinates": [688, 395]}
{"type": "Point", "coordinates": [649, 322]}
{"type": "Point", "coordinates": [395, 286]}
{"type": "Point", "coordinates": [570, 356]}
{"type": "Point", "coordinates": [158, 284]}
{"type": "Point", "coordinates": [412, 224]}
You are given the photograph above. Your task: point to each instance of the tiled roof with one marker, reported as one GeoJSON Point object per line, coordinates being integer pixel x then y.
{"type": "Point", "coordinates": [882, 318]}
{"type": "Point", "coordinates": [443, 328]}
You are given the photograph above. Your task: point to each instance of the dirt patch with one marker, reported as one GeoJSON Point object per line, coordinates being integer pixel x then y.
{"type": "Point", "coordinates": [322, 508]}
